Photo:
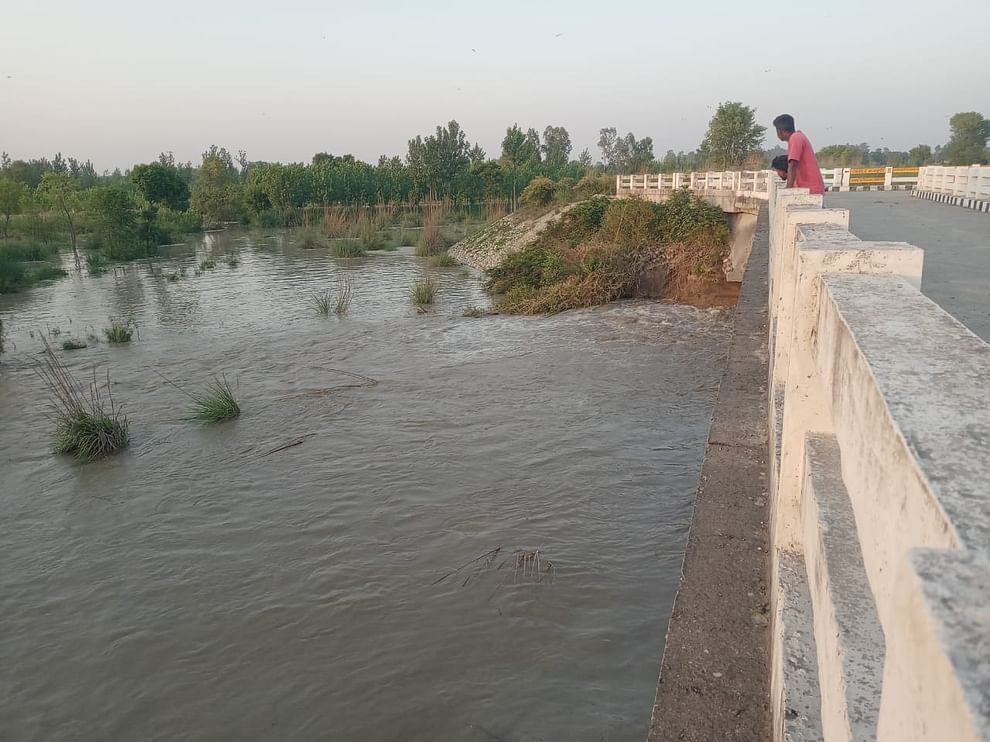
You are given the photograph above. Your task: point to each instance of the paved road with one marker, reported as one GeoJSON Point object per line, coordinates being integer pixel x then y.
{"type": "Point", "coordinates": [956, 242]}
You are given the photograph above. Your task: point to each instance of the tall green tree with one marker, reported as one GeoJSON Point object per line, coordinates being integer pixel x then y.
{"type": "Point", "coordinates": [439, 161]}
{"type": "Point", "coordinates": [518, 149]}
{"type": "Point", "coordinates": [968, 143]}
{"type": "Point", "coordinates": [61, 192]}
{"type": "Point", "coordinates": [920, 155]}
{"type": "Point", "coordinates": [733, 135]}
{"type": "Point", "coordinates": [215, 192]}
{"type": "Point", "coordinates": [161, 184]}
{"type": "Point", "coordinates": [12, 195]}
{"type": "Point", "coordinates": [114, 214]}
{"type": "Point", "coordinates": [556, 148]}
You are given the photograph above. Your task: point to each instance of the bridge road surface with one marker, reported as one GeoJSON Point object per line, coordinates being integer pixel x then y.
{"type": "Point", "coordinates": [956, 242]}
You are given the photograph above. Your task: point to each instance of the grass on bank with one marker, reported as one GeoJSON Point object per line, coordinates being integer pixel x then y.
{"type": "Point", "coordinates": [84, 426]}
{"type": "Point", "coordinates": [424, 292]}
{"type": "Point", "coordinates": [347, 249]}
{"type": "Point", "coordinates": [602, 249]}
{"type": "Point", "coordinates": [216, 404]}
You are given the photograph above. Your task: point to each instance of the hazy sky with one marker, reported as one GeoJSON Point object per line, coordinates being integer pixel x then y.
{"type": "Point", "coordinates": [119, 81]}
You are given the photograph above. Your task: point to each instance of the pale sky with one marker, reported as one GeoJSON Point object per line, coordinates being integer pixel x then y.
{"type": "Point", "coordinates": [119, 81]}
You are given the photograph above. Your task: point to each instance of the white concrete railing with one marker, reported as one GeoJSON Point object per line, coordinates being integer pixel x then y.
{"type": "Point", "coordinates": [879, 489]}
{"type": "Point", "coordinates": [757, 182]}
{"type": "Point", "coordinates": [965, 182]}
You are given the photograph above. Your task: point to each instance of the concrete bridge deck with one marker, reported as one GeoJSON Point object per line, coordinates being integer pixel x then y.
{"type": "Point", "coordinates": [956, 244]}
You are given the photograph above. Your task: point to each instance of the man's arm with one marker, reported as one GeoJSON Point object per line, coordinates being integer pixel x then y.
{"type": "Point", "coordinates": [791, 172]}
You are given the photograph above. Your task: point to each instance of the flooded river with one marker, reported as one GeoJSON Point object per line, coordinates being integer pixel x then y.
{"type": "Point", "coordinates": [293, 574]}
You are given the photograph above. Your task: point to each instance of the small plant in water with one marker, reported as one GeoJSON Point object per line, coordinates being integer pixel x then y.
{"type": "Point", "coordinates": [208, 264]}
{"type": "Point", "coordinates": [424, 292]}
{"type": "Point", "coordinates": [83, 425]}
{"type": "Point", "coordinates": [96, 264]}
{"type": "Point", "coordinates": [216, 404]}
{"type": "Point", "coordinates": [444, 260]}
{"type": "Point", "coordinates": [474, 312]}
{"type": "Point", "coordinates": [73, 344]}
{"type": "Point", "coordinates": [348, 249]}
{"type": "Point", "coordinates": [119, 332]}
{"type": "Point", "coordinates": [232, 260]}
{"type": "Point", "coordinates": [336, 300]}
{"type": "Point", "coordinates": [310, 239]}
{"type": "Point", "coordinates": [171, 276]}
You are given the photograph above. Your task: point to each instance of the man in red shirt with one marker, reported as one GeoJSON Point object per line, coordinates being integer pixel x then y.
{"type": "Point", "coordinates": [802, 167]}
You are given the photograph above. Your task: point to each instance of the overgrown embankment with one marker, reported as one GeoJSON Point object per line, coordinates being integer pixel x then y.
{"type": "Point", "coordinates": [601, 250]}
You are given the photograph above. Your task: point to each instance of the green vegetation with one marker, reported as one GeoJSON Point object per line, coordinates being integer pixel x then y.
{"type": "Point", "coordinates": [370, 235]}
{"type": "Point", "coordinates": [119, 332]}
{"type": "Point", "coordinates": [232, 260]}
{"type": "Point", "coordinates": [73, 344]}
{"type": "Point", "coordinates": [599, 250]}
{"type": "Point", "coordinates": [23, 264]}
{"type": "Point", "coordinates": [310, 239]}
{"type": "Point", "coordinates": [84, 427]}
{"type": "Point", "coordinates": [430, 240]}
{"type": "Point", "coordinates": [347, 249]}
{"type": "Point", "coordinates": [96, 264]}
{"type": "Point", "coordinates": [216, 404]}
{"type": "Point", "coordinates": [540, 191]}
{"type": "Point", "coordinates": [473, 312]}
{"type": "Point", "coordinates": [733, 139]}
{"type": "Point", "coordinates": [336, 300]}
{"type": "Point", "coordinates": [207, 264]}
{"type": "Point", "coordinates": [424, 292]}
{"type": "Point", "coordinates": [444, 260]}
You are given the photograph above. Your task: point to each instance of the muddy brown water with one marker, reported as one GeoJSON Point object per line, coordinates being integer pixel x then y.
{"type": "Point", "coordinates": [199, 587]}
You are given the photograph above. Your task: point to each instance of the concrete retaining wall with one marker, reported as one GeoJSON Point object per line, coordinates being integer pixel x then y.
{"type": "Point", "coordinates": [879, 492]}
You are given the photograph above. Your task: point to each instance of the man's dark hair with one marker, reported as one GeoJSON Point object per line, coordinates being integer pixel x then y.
{"type": "Point", "coordinates": [784, 122]}
{"type": "Point", "coordinates": [779, 162]}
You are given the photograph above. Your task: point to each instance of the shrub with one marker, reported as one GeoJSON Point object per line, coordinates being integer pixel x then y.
{"type": "Point", "coordinates": [27, 252]}
{"type": "Point", "coordinates": [424, 292]}
{"type": "Point", "coordinates": [532, 268]}
{"type": "Point", "coordinates": [83, 425]}
{"type": "Point", "coordinates": [539, 192]}
{"type": "Point", "coordinates": [13, 275]}
{"type": "Point", "coordinates": [632, 222]}
{"type": "Point", "coordinates": [369, 235]}
{"type": "Point", "coordinates": [216, 404]}
{"type": "Point", "coordinates": [594, 185]}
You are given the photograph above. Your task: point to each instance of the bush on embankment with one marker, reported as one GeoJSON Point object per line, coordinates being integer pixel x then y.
{"type": "Point", "coordinates": [601, 249]}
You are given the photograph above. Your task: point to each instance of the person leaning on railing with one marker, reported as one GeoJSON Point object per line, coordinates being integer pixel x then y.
{"type": "Point", "coordinates": [802, 165]}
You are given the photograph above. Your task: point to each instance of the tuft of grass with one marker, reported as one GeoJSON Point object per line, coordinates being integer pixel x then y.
{"type": "Point", "coordinates": [424, 292]}
{"type": "Point", "coordinates": [348, 249]}
{"type": "Point", "coordinates": [216, 404]}
{"type": "Point", "coordinates": [48, 273]}
{"type": "Point", "coordinates": [96, 264]}
{"type": "Point", "coordinates": [336, 301]}
{"type": "Point", "coordinates": [119, 332]}
{"type": "Point", "coordinates": [430, 239]}
{"type": "Point", "coordinates": [473, 312]}
{"type": "Point", "coordinates": [370, 234]}
{"type": "Point", "coordinates": [84, 427]}
{"type": "Point", "coordinates": [232, 260]}
{"type": "Point", "coordinates": [310, 239]}
{"type": "Point", "coordinates": [73, 344]}
{"type": "Point", "coordinates": [207, 265]}
{"type": "Point", "coordinates": [444, 260]}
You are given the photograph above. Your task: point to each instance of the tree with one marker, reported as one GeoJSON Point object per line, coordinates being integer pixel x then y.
{"type": "Point", "coordinates": [732, 135]}
{"type": "Point", "coordinates": [215, 191]}
{"type": "Point", "coordinates": [920, 155]}
{"type": "Point", "coordinates": [161, 184]}
{"type": "Point", "coordinates": [556, 147]}
{"type": "Point", "coordinates": [585, 158]}
{"type": "Point", "coordinates": [606, 143]}
{"type": "Point", "coordinates": [518, 149]}
{"type": "Point", "coordinates": [113, 213]}
{"type": "Point", "coordinates": [61, 192]}
{"type": "Point", "coordinates": [11, 201]}
{"type": "Point", "coordinates": [440, 161]}
{"type": "Point", "coordinates": [968, 143]}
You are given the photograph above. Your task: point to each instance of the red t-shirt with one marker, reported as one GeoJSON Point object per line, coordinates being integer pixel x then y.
{"type": "Point", "coordinates": [807, 174]}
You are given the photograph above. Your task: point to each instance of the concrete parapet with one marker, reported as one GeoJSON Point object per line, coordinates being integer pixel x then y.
{"type": "Point", "coordinates": [879, 426]}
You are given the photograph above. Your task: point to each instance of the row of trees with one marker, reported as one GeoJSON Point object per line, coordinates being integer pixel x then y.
{"type": "Point", "coordinates": [440, 165]}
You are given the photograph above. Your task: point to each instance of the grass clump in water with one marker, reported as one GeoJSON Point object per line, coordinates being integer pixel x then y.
{"type": "Point", "coordinates": [119, 332]}
{"type": "Point", "coordinates": [348, 249]}
{"type": "Point", "coordinates": [73, 344]}
{"type": "Point", "coordinates": [310, 239]}
{"type": "Point", "coordinates": [216, 404]}
{"type": "Point", "coordinates": [84, 427]}
{"type": "Point", "coordinates": [444, 260]}
{"type": "Point", "coordinates": [207, 265]}
{"type": "Point", "coordinates": [473, 312]}
{"type": "Point", "coordinates": [424, 292]}
{"type": "Point", "coordinates": [96, 264]}
{"type": "Point", "coordinates": [232, 260]}
{"type": "Point", "coordinates": [370, 234]}
{"type": "Point", "coordinates": [430, 238]}
{"type": "Point", "coordinates": [336, 301]}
